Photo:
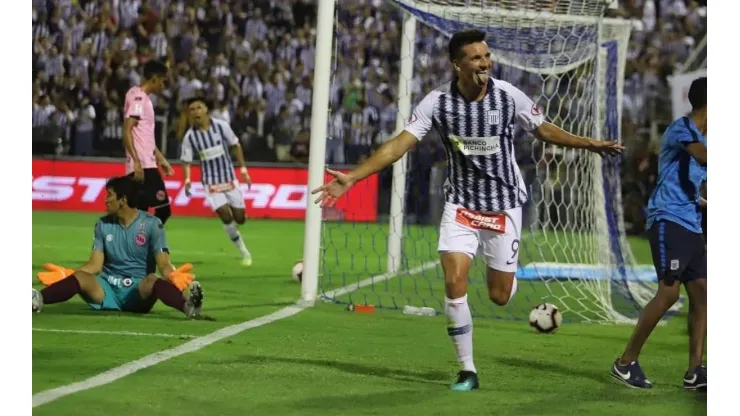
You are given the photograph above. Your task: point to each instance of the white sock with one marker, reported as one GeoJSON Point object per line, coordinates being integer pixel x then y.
{"type": "Point", "coordinates": [460, 329]}
{"type": "Point", "coordinates": [513, 290]}
{"type": "Point", "coordinates": [236, 238]}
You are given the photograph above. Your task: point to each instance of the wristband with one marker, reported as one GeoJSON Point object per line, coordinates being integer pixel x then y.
{"type": "Point", "coordinates": [244, 170]}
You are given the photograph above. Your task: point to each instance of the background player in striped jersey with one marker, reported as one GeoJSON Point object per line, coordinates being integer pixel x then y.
{"type": "Point", "coordinates": [127, 245]}
{"type": "Point", "coordinates": [475, 116]}
{"type": "Point", "coordinates": [212, 139]}
{"type": "Point", "coordinates": [677, 243]}
{"type": "Point", "coordinates": [142, 155]}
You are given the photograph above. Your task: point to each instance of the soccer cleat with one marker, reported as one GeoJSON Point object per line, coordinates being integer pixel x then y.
{"type": "Point", "coordinates": [37, 302]}
{"type": "Point", "coordinates": [247, 261]}
{"type": "Point", "coordinates": [696, 379]}
{"type": "Point", "coordinates": [194, 304]}
{"type": "Point", "coordinates": [466, 381]}
{"type": "Point", "coordinates": [630, 374]}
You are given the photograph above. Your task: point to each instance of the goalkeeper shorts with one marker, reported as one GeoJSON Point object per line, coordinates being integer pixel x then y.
{"type": "Point", "coordinates": [122, 294]}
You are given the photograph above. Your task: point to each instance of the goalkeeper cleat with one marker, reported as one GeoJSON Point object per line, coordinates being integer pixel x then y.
{"type": "Point", "coordinates": [194, 304]}
{"type": "Point", "coordinates": [466, 381]}
{"type": "Point", "coordinates": [37, 302]}
{"type": "Point", "coordinates": [247, 261]}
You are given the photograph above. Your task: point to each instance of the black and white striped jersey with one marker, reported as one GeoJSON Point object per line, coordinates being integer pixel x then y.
{"type": "Point", "coordinates": [482, 173]}
{"type": "Point", "coordinates": [213, 148]}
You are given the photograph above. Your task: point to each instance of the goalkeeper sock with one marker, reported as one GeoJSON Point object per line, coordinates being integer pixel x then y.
{"type": "Point", "coordinates": [61, 291]}
{"type": "Point", "coordinates": [236, 238]}
{"type": "Point", "coordinates": [460, 329]}
{"type": "Point", "coordinates": [165, 291]}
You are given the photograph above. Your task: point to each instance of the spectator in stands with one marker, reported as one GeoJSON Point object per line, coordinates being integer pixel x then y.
{"type": "Point", "coordinates": [255, 58]}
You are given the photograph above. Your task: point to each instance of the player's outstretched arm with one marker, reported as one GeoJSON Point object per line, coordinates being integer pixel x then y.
{"type": "Point", "coordinates": [386, 155]}
{"type": "Point", "coordinates": [417, 127]}
{"type": "Point", "coordinates": [550, 133]}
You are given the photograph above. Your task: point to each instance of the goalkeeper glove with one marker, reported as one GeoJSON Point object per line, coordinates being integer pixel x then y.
{"type": "Point", "coordinates": [53, 274]}
{"type": "Point", "coordinates": [181, 277]}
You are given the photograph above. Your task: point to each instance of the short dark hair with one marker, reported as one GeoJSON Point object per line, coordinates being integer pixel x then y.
{"type": "Point", "coordinates": [197, 98]}
{"type": "Point", "coordinates": [462, 38]}
{"type": "Point", "coordinates": [124, 186]}
{"type": "Point", "coordinates": [154, 68]}
{"type": "Point", "coordinates": [698, 94]}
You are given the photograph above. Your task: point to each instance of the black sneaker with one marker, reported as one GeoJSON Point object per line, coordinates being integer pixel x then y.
{"type": "Point", "coordinates": [695, 379]}
{"type": "Point", "coordinates": [466, 381]}
{"type": "Point", "coordinates": [630, 374]}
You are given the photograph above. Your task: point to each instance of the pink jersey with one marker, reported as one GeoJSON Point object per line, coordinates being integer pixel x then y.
{"type": "Point", "coordinates": [139, 105]}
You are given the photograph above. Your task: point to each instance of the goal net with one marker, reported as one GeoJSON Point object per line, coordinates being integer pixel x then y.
{"type": "Point", "coordinates": [573, 251]}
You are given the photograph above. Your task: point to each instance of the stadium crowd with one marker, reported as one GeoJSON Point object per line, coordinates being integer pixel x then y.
{"type": "Point", "coordinates": [254, 60]}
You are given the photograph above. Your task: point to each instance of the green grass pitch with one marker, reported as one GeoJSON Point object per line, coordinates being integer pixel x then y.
{"type": "Point", "coordinates": [324, 360]}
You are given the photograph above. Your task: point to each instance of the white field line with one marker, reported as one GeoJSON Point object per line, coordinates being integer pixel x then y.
{"type": "Point", "coordinates": [126, 333]}
{"type": "Point", "coordinates": [196, 344]}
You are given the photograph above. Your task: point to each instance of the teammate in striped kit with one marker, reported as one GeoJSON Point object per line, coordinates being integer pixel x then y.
{"type": "Point", "coordinates": [211, 139]}
{"type": "Point", "coordinates": [475, 116]}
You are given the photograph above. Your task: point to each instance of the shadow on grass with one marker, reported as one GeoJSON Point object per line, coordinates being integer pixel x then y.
{"type": "Point", "coordinates": [400, 374]}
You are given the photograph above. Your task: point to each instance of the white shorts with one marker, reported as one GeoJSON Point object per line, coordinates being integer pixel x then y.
{"type": "Point", "coordinates": [466, 231]}
{"type": "Point", "coordinates": [233, 197]}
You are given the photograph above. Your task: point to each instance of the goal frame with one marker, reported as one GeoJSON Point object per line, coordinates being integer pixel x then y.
{"type": "Point", "coordinates": [322, 80]}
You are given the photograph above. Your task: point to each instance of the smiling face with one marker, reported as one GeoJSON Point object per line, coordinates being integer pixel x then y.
{"type": "Point", "coordinates": [473, 64]}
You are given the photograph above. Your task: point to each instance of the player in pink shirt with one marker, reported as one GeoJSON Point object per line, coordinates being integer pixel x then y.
{"type": "Point", "coordinates": [142, 155]}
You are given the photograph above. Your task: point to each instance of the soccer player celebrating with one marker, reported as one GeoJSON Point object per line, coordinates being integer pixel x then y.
{"type": "Point", "coordinates": [127, 245]}
{"type": "Point", "coordinates": [475, 116]}
{"type": "Point", "coordinates": [142, 155]}
{"type": "Point", "coordinates": [211, 139]}
{"type": "Point", "coordinates": [676, 241]}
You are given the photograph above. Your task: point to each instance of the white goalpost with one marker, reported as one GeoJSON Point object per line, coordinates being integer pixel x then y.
{"type": "Point", "coordinates": [574, 251]}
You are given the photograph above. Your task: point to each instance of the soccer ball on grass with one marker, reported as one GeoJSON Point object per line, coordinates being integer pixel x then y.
{"type": "Point", "coordinates": [297, 271]}
{"type": "Point", "coordinates": [545, 318]}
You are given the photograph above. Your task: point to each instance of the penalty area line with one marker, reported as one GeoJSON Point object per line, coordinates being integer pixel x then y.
{"type": "Point", "coordinates": [126, 333]}
{"type": "Point", "coordinates": [199, 343]}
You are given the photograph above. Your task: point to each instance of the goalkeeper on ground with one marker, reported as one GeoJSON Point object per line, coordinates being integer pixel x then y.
{"type": "Point", "coordinates": [127, 245]}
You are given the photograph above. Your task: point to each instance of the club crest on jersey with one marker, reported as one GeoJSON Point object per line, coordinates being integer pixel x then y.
{"type": "Point", "coordinates": [140, 239]}
{"type": "Point", "coordinates": [536, 111]}
{"type": "Point", "coordinates": [494, 117]}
